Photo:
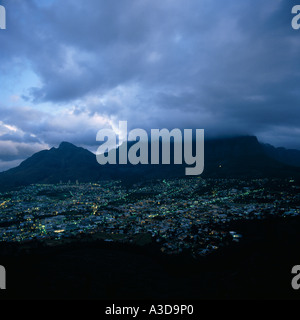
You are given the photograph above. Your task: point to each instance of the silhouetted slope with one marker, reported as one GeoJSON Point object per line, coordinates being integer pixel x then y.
{"type": "Point", "coordinates": [287, 156]}
{"type": "Point", "coordinates": [242, 156]}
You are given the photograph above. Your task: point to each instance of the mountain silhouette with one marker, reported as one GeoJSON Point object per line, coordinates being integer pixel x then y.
{"type": "Point", "coordinates": [67, 162]}
{"type": "Point", "coordinates": [224, 158]}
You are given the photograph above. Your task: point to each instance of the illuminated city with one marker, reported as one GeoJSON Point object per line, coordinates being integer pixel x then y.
{"type": "Point", "coordinates": [177, 214]}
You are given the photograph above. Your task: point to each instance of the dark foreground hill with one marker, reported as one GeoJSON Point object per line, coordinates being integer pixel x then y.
{"type": "Point", "coordinates": [224, 158]}
{"type": "Point", "coordinates": [257, 268]}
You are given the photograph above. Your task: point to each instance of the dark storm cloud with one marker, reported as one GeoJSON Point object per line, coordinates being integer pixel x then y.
{"type": "Point", "coordinates": [230, 67]}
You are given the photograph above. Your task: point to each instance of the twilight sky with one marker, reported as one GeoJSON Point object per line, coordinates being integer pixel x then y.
{"type": "Point", "coordinates": [69, 68]}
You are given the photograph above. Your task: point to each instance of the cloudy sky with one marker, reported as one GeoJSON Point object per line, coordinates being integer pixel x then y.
{"type": "Point", "coordinates": [71, 67]}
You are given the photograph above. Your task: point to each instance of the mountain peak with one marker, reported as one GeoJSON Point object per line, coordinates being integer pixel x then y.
{"type": "Point", "coordinates": [66, 145]}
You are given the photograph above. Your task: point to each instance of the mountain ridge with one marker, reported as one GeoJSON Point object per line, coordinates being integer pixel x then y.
{"type": "Point", "coordinates": [287, 156]}
{"type": "Point", "coordinates": [224, 158]}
